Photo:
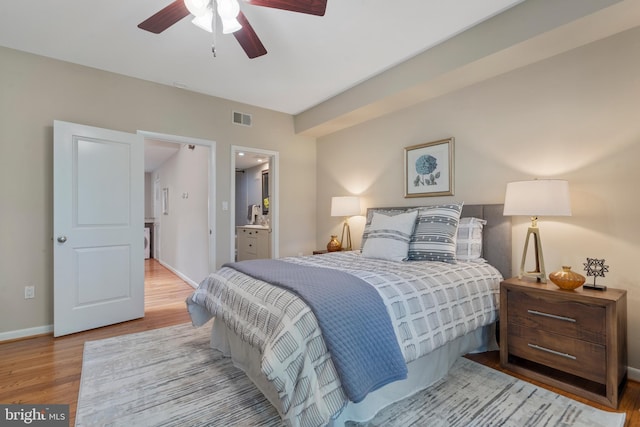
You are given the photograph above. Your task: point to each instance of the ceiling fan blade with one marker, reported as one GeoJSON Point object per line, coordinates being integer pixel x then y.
{"type": "Point", "coordinates": [248, 38]}
{"type": "Point", "coordinates": [165, 18]}
{"type": "Point", "coordinates": [311, 7]}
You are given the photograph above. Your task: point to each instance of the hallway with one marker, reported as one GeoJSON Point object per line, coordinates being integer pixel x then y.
{"type": "Point", "coordinates": [162, 288]}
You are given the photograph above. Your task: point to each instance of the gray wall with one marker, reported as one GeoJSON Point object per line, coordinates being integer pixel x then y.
{"type": "Point", "coordinates": [574, 116]}
{"type": "Point", "coordinates": [35, 90]}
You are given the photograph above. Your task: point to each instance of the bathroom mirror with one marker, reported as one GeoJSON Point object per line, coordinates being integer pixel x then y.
{"type": "Point", "coordinates": [265, 192]}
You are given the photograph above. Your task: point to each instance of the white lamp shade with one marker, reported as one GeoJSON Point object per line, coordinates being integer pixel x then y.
{"type": "Point", "coordinates": [345, 206]}
{"type": "Point", "coordinates": [539, 197]}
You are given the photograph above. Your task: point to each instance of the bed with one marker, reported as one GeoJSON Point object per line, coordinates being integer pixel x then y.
{"type": "Point", "coordinates": [435, 309]}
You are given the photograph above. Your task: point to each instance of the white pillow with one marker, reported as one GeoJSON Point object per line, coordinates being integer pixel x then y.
{"type": "Point", "coordinates": [382, 211]}
{"type": "Point", "coordinates": [469, 240]}
{"type": "Point", "coordinates": [389, 236]}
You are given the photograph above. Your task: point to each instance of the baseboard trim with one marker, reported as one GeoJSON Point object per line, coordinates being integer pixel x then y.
{"type": "Point", "coordinates": [26, 333]}
{"type": "Point", "coordinates": [633, 374]}
{"type": "Point", "coordinates": [179, 274]}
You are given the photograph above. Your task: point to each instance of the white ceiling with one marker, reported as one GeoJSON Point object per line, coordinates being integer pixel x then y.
{"type": "Point", "coordinates": [157, 152]}
{"type": "Point", "coordinates": [310, 59]}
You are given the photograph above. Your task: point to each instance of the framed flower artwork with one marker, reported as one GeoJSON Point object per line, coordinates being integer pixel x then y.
{"type": "Point", "coordinates": [428, 169]}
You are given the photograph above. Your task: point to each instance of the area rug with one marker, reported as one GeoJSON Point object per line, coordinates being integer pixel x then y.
{"type": "Point", "coordinates": [170, 377]}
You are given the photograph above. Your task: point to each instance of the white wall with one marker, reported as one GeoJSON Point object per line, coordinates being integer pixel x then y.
{"type": "Point", "coordinates": [184, 229]}
{"type": "Point", "coordinates": [574, 116]}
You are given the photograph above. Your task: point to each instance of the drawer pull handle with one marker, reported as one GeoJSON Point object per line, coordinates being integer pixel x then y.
{"type": "Point", "coordinates": [553, 316]}
{"type": "Point", "coordinates": [548, 350]}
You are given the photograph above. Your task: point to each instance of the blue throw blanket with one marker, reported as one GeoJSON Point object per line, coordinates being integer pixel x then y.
{"type": "Point", "coordinates": [353, 319]}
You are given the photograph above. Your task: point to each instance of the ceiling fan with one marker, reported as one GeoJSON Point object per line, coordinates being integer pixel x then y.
{"type": "Point", "coordinates": [233, 20]}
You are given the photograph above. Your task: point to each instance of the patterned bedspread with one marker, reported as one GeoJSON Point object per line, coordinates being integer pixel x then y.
{"type": "Point", "coordinates": [429, 304]}
{"type": "Point", "coordinates": [351, 314]}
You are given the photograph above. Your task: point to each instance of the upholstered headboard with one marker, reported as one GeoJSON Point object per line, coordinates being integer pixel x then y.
{"type": "Point", "coordinates": [496, 235]}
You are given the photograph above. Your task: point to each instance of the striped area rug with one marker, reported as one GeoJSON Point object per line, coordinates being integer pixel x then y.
{"type": "Point", "coordinates": [170, 377]}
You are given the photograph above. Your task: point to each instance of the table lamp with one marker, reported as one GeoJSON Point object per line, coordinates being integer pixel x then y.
{"type": "Point", "coordinates": [345, 206]}
{"type": "Point", "coordinates": [539, 197]}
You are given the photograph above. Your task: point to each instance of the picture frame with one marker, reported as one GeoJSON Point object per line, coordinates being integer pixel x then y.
{"type": "Point", "coordinates": [429, 169]}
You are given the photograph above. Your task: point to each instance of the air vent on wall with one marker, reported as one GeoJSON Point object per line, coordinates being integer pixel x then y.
{"type": "Point", "coordinates": [241, 119]}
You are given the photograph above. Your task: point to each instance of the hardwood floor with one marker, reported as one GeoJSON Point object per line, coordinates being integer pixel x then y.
{"type": "Point", "coordinates": [46, 370]}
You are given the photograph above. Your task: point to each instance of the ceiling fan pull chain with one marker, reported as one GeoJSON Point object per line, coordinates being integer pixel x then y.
{"type": "Point", "coordinates": [214, 21]}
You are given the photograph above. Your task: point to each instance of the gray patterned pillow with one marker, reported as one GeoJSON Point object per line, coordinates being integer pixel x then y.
{"type": "Point", "coordinates": [434, 238]}
{"type": "Point", "coordinates": [389, 236]}
{"type": "Point", "coordinates": [469, 239]}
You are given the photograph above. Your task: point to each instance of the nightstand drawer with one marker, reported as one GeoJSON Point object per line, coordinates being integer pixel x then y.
{"type": "Point", "coordinates": [580, 358]}
{"type": "Point", "coordinates": [569, 318]}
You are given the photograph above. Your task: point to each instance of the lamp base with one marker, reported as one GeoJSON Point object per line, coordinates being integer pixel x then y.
{"type": "Point", "coordinates": [539, 273]}
{"type": "Point", "coordinates": [345, 227]}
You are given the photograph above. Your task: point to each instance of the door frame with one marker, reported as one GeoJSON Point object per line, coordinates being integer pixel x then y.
{"type": "Point", "coordinates": [211, 181]}
{"type": "Point", "coordinates": [274, 196]}
{"type": "Point", "coordinates": [157, 238]}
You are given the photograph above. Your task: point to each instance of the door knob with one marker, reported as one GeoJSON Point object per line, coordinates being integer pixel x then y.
{"type": "Point", "coordinates": [62, 239]}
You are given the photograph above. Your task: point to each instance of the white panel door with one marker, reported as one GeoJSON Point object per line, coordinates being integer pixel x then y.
{"type": "Point", "coordinates": [98, 225]}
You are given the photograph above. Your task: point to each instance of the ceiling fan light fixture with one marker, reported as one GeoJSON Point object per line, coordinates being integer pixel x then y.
{"type": "Point", "coordinates": [204, 21]}
{"type": "Point", "coordinates": [198, 8]}
{"type": "Point", "coordinates": [228, 11]}
{"type": "Point", "coordinates": [230, 26]}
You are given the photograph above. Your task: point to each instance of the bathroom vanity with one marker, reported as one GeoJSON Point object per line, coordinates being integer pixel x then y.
{"type": "Point", "coordinates": [254, 242]}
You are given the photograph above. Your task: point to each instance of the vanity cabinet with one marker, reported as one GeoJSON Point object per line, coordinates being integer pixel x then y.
{"type": "Point", "coordinates": [253, 243]}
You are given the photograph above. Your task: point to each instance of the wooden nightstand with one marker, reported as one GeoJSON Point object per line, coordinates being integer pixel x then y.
{"type": "Point", "coordinates": [572, 340]}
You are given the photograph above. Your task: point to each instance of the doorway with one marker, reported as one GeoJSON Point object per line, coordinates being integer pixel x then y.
{"type": "Point", "coordinates": [243, 158]}
{"type": "Point", "coordinates": [100, 230]}
{"type": "Point", "coordinates": [179, 201]}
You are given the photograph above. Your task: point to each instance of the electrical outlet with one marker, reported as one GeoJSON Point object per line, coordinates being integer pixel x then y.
{"type": "Point", "coordinates": [29, 292]}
